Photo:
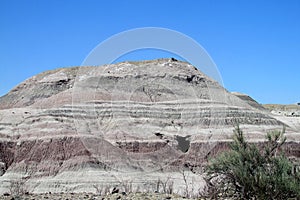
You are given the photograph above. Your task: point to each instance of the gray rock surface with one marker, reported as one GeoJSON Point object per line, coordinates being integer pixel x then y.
{"type": "Point", "coordinates": [249, 100]}
{"type": "Point", "coordinates": [2, 168]}
{"type": "Point", "coordinates": [72, 128]}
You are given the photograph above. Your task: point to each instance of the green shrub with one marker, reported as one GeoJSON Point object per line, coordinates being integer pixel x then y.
{"type": "Point", "coordinates": [249, 172]}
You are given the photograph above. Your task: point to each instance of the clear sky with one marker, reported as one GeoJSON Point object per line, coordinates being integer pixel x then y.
{"type": "Point", "coordinates": [255, 44]}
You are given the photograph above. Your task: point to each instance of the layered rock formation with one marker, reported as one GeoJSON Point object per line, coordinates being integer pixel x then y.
{"type": "Point", "coordinates": [249, 100]}
{"type": "Point", "coordinates": [72, 128]}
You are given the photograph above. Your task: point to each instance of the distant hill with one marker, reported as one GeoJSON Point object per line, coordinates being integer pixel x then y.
{"type": "Point", "coordinates": [292, 110]}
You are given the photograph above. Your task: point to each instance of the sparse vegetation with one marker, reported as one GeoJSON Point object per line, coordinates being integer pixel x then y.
{"type": "Point", "coordinates": [249, 172]}
{"type": "Point", "coordinates": [17, 188]}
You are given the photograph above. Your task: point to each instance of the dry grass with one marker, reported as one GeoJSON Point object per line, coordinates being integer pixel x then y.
{"type": "Point", "coordinates": [89, 196]}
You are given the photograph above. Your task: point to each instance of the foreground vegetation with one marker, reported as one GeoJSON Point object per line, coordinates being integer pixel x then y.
{"type": "Point", "coordinates": [249, 172]}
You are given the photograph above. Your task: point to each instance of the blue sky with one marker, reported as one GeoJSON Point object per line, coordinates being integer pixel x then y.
{"type": "Point", "coordinates": [255, 44]}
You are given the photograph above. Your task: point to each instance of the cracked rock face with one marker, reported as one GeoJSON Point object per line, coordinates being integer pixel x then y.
{"type": "Point", "coordinates": [72, 128]}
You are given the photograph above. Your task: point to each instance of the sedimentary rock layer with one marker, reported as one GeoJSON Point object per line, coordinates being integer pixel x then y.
{"type": "Point", "coordinates": [71, 128]}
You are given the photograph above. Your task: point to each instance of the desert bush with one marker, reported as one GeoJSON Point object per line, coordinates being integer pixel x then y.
{"type": "Point", "coordinates": [186, 190]}
{"type": "Point", "coordinates": [166, 186]}
{"type": "Point", "coordinates": [99, 189]}
{"type": "Point", "coordinates": [127, 186]}
{"type": "Point", "coordinates": [249, 172]}
{"type": "Point", "coordinates": [17, 187]}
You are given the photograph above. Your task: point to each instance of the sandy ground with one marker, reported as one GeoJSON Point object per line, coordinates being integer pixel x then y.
{"type": "Point", "coordinates": [89, 196]}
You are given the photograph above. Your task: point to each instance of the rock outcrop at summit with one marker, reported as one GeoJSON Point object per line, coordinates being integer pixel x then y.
{"type": "Point", "coordinates": [72, 128]}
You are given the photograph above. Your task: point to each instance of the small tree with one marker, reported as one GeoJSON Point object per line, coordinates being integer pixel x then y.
{"type": "Point", "coordinates": [249, 172]}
